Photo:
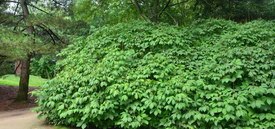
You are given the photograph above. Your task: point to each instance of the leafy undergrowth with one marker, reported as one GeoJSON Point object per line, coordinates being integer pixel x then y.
{"type": "Point", "coordinates": [60, 127]}
{"type": "Point", "coordinates": [213, 74]}
{"type": "Point", "coordinates": [13, 80]}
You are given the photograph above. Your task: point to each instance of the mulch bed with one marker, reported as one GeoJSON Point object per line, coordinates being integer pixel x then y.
{"type": "Point", "coordinates": [7, 99]}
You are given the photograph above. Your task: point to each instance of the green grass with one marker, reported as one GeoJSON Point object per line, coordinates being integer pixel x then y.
{"type": "Point", "coordinates": [12, 80]}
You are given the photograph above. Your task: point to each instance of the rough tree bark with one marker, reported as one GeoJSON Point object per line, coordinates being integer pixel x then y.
{"type": "Point", "coordinates": [22, 94]}
{"type": "Point", "coordinates": [17, 68]}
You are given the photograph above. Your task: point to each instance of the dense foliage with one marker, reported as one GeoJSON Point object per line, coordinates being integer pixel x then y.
{"type": "Point", "coordinates": [237, 10]}
{"type": "Point", "coordinates": [44, 66]}
{"type": "Point", "coordinates": [176, 12]}
{"type": "Point", "coordinates": [6, 67]}
{"type": "Point", "coordinates": [214, 74]}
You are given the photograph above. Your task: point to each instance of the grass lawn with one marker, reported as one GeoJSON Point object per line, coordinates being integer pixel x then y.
{"type": "Point", "coordinates": [12, 80]}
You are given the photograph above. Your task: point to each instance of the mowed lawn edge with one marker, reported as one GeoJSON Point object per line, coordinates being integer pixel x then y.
{"type": "Point", "coordinates": [13, 80]}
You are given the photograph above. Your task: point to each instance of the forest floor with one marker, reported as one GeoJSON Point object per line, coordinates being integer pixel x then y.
{"type": "Point", "coordinates": [7, 98]}
{"type": "Point", "coordinates": [18, 115]}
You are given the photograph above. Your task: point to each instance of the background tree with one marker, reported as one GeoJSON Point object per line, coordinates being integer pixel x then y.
{"type": "Point", "coordinates": [237, 10]}
{"type": "Point", "coordinates": [177, 12]}
{"type": "Point", "coordinates": [100, 12]}
{"type": "Point", "coordinates": [24, 35]}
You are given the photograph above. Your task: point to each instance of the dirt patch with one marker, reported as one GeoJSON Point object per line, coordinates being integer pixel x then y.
{"type": "Point", "coordinates": [21, 119]}
{"type": "Point", "coordinates": [18, 115]}
{"type": "Point", "coordinates": [7, 99]}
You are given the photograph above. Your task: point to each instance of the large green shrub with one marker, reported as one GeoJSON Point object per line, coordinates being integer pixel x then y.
{"type": "Point", "coordinates": [214, 74]}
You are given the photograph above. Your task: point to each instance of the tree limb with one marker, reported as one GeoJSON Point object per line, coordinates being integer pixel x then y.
{"type": "Point", "coordinates": [10, 1]}
{"type": "Point", "coordinates": [1, 22]}
{"type": "Point", "coordinates": [57, 2]}
{"type": "Point", "coordinates": [135, 2]}
{"type": "Point", "coordinates": [207, 3]}
{"type": "Point", "coordinates": [16, 8]}
{"type": "Point", "coordinates": [39, 9]}
{"type": "Point", "coordinates": [165, 7]}
{"type": "Point", "coordinates": [17, 23]}
{"type": "Point", "coordinates": [17, 67]}
{"type": "Point", "coordinates": [175, 21]}
{"type": "Point", "coordinates": [3, 56]}
{"type": "Point", "coordinates": [48, 32]}
{"type": "Point", "coordinates": [177, 3]}
{"type": "Point", "coordinates": [55, 35]}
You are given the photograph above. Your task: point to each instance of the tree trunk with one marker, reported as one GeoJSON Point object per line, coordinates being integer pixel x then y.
{"type": "Point", "coordinates": [25, 63]}
{"type": "Point", "coordinates": [17, 68]}
{"type": "Point", "coordinates": [22, 94]}
{"type": "Point", "coordinates": [155, 11]}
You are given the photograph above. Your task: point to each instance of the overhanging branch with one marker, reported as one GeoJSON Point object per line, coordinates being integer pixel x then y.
{"type": "Point", "coordinates": [48, 32]}
{"type": "Point", "coordinates": [55, 35]}
{"type": "Point", "coordinates": [38, 8]}
{"type": "Point", "coordinates": [10, 1]}
{"type": "Point", "coordinates": [177, 3]}
{"type": "Point", "coordinates": [169, 15]}
{"type": "Point", "coordinates": [17, 5]}
{"type": "Point", "coordinates": [136, 4]}
{"type": "Point", "coordinates": [57, 2]}
{"type": "Point", "coordinates": [165, 7]}
{"type": "Point", "coordinates": [17, 23]}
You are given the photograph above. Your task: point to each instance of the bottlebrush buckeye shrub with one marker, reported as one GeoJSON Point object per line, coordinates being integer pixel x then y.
{"type": "Point", "coordinates": [213, 74]}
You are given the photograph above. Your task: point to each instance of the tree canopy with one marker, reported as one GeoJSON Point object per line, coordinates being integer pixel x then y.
{"type": "Point", "coordinates": [177, 12]}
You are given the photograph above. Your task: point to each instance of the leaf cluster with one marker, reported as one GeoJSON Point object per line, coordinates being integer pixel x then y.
{"type": "Point", "coordinates": [44, 66]}
{"type": "Point", "coordinates": [213, 74]}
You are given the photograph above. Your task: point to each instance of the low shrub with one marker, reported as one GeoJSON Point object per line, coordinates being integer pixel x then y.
{"type": "Point", "coordinates": [213, 74]}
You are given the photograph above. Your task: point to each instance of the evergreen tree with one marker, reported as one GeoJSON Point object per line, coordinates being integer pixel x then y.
{"type": "Point", "coordinates": [25, 33]}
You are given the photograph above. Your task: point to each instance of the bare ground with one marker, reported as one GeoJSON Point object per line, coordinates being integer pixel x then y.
{"type": "Point", "coordinates": [7, 99]}
{"type": "Point", "coordinates": [21, 119]}
{"type": "Point", "coordinates": [15, 115]}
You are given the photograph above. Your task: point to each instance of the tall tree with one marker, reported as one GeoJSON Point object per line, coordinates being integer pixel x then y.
{"type": "Point", "coordinates": [24, 35]}
{"type": "Point", "coordinates": [25, 63]}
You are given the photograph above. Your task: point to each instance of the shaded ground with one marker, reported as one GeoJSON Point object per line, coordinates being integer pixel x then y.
{"type": "Point", "coordinates": [19, 115]}
{"type": "Point", "coordinates": [7, 97]}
